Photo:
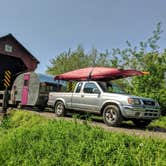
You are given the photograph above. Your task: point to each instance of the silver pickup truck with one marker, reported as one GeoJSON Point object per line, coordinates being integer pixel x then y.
{"type": "Point", "coordinates": [108, 100]}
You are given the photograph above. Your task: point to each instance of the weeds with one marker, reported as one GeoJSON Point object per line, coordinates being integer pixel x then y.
{"type": "Point", "coordinates": [159, 122]}
{"type": "Point", "coordinates": [33, 140]}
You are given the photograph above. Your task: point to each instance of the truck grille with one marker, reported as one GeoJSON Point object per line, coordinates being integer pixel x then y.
{"type": "Point", "coordinates": [148, 102]}
{"type": "Point", "coordinates": [151, 113]}
{"type": "Point", "coordinates": [151, 110]}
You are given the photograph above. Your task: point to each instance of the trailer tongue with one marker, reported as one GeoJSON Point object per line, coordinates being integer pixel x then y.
{"type": "Point", "coordinates": [98, 74]}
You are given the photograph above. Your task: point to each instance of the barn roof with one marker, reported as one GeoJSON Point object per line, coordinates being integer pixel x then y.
{"type": "Point", "coordinates": [19, 51]}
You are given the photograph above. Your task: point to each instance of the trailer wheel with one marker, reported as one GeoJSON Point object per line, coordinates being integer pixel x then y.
{"type": "Point", "coordinates": [112, 115]}
{"type": "Point", "coordinates": [59, 108]}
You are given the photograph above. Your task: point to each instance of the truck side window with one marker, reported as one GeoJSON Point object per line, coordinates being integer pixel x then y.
{"type": "Point", "coordinates": [78, 88]}
{"type": "Point", "coordinates": [89, 88]}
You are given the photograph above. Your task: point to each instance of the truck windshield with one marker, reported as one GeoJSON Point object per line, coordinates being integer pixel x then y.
{"type": "Point", "coordinates": [111, 88]}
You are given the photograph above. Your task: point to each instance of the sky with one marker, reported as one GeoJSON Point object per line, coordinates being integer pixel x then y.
{"type": "Point", "coordinates": [49, 27]}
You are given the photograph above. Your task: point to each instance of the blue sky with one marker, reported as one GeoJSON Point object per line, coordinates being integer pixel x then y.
{"type": "Point", "coordinates": [49, 27]}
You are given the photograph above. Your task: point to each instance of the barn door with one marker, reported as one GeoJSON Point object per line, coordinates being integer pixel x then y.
{"type": "Point", "coordinates": [25, 89]}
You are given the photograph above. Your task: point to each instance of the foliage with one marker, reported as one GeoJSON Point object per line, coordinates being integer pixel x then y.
{"type": "Point", "coordinates": [153, 85]}
{"type": "Point", "coordinates": [161, 122]}
{"type": "Point", "coordinates": [59, 142]}
{"type": "Point", "coordinates": [77, 59]}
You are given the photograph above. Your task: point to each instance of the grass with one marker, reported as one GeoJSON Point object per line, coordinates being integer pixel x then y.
{"type": "Point", "coordinates": [158, 123]}
{"type": "Point", "coordinates": [28, 139]}
{"type": "Point", "coordinates": [161, 122]}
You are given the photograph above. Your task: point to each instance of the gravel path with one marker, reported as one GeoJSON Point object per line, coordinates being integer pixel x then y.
{"type": "Point", "coordinates": [128, 129]}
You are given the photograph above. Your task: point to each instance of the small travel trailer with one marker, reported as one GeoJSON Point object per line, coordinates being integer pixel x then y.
{"type": "Point", "coordinates": [32, 89]}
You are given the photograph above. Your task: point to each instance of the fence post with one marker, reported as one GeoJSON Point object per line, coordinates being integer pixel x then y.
{"type": "Point", "coordinates": [7, 83]}
{"type": "Point", "coordinates": [5, 101]}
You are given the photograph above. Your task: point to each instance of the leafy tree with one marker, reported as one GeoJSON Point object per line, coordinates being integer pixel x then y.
{"type": "Point", "coordinates": [146, 57]}
{"type": "Point", "coordinates": [152, 85]}
{"type": "Point", "coordinates": [67, 61]}
{"type": "Point", "coordinates": [77, 59]}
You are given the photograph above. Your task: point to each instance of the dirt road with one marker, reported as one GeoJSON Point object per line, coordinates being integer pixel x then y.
{"type": "Point", "coordinates": [128, 129]}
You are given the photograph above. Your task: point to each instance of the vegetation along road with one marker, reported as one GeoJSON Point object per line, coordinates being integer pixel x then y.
{"type": "Point", "coordinates": [34, 138]}
{"type": "Point", "coordinates": [156, 129]}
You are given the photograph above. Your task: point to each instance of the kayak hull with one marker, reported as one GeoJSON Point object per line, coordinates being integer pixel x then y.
{"type": "Point", "coordinates": [98, 74]}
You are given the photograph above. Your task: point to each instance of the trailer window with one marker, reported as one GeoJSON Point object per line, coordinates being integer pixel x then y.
{"type": "Point", "coordinates": [26, 82]}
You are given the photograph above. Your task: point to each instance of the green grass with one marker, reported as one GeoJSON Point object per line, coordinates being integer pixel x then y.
{"type": "Point", "coordinates": [28, 139]}
{"type": "Point", "coordinates": [161, 122]}
{"type": "Point", "coordinates": [158, 123]}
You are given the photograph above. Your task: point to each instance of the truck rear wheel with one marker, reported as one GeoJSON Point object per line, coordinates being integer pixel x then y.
{"type": "Point", "coordinates": [59, 108]}
{"type": "Point", "coordinates": [141, 123]}
{"type": "Point", "coordinates": [112, 115]}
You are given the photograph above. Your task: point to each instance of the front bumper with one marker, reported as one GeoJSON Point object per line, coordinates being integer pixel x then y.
{"type": "Point", "coordinates": [140, 112]}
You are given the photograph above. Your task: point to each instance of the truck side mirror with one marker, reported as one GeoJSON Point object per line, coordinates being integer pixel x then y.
{"type": "Point", "coordinates": [96, 91]}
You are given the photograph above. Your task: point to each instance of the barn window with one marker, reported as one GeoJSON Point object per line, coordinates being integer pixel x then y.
{"type": "Point", "coordinates": [8, 48]}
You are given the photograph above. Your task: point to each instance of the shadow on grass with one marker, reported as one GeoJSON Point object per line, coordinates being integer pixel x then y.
{"type": "Point", "coordinates": [125, 124]}
{"type": "Point", "coordinates": [97, 119]}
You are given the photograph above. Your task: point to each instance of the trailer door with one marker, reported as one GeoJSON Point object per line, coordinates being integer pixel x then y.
{"type": "Point", "coordinates": [25, 89]}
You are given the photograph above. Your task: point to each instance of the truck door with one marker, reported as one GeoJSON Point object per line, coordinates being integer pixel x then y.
{"type": "Point", "coordinates": [25, 89]}
{"type": "Point", "coordinates": [89, 98]}
{"type": "Point", "coordinates": [76, 97]}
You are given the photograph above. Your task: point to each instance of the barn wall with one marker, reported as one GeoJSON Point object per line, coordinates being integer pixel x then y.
{"type": "Point", "coordinates": [15, 58]}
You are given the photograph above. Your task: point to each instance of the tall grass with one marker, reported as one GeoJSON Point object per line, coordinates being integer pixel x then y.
{"type": "Point", "coordinates": [28, 139]}
{"type": "Point", "coordinates": [161, 122]}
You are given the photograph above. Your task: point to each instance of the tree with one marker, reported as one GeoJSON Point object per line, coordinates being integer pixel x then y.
{"type": "Point", "coordinates": [77, 59]}
{"type": "Point", "coordinates": [67, 61]}
{"type": "Point", "coordinates": [146, 57]}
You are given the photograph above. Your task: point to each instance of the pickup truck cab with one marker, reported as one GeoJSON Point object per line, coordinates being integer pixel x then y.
{"type": "Point", "coordinates": [108, 100]}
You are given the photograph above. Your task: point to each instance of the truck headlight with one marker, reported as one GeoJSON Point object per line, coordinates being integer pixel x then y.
{"type": "Point", "coordinates": [134, 101]}
{"type": "Point", "coordinates": [157, 104]}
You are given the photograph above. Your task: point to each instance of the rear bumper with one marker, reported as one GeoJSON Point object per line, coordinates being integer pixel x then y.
{"type": "Point", "coordinates": [140, 112]}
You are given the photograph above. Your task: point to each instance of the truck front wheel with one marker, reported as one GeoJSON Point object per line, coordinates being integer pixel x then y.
{"type": "Point", "coordinates": [59, 108]}
{"type": "Point", "coordinates": [112, 115]}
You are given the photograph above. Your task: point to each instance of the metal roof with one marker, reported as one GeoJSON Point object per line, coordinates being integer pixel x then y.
{"type": "Point", "coordinates": [49, 79]}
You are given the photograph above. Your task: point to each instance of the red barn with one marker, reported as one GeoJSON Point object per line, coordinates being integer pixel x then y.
{"type": "Point", "coordinates": [15, 58]}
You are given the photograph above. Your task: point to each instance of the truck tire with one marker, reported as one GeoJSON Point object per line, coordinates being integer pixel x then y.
{"type": "Point", "coordinates": [59, 108]}
{"type": "Point", "coordinates": [141, 123]}
{"type": "Point", "coordinates": [112, 115]}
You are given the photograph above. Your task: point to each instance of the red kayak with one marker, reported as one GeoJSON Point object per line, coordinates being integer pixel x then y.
{"type": "Point", "coordinates": [98, 74]}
